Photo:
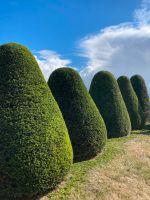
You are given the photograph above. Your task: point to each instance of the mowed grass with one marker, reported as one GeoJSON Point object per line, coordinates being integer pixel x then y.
{"type": "Point", "coordinates": [121, 171]}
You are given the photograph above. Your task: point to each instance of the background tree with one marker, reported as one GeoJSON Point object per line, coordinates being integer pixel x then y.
{"type": "Point", "coordinates": [140, 89]}
{"type": "Point", "coordinates": [131, 101]}
{"type": "Point", "coordinates": [105, 92]}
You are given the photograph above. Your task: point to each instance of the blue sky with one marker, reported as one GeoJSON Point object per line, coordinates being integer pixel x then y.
{"type": "Point", "coordinates": [58, 24]}
{"type": "Point", "coordinates": [89, 35]}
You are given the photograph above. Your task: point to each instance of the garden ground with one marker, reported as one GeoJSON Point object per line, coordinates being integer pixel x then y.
{"type": "Point", "coordinates": [120, 172]}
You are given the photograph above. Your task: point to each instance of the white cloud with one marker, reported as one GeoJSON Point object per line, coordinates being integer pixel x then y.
{"type": "Point", "coordinates": [49, 61]}
{"type": "Point", "coordinates": [142, 14]}
{"type": "Point", "coordinates": [123, 49]}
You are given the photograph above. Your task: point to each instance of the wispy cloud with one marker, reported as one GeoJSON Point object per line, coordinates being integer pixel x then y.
{"type": "Point", "coordinates": [142, 14]}
{"type": "Point", "coordinates": [121, 49]}
{"type": "Point", "coordinates": [49, 61]}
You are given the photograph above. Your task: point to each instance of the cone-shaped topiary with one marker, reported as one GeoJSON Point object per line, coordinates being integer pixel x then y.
{"type": "Point", "coordinates": [131, 101]}
{"type": "Point", "coordinates": [35, 149]}
{"type": "Point", "coordinates": [105, 92]}
{"type": "Point", "coordinates": [86, 127]}
{"type": "Point", "coordinates": [140, 89]}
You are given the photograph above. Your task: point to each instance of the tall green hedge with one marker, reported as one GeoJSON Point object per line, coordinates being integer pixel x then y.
{"type": "Point", "coordinates": [131, 101]}
{"type": "Point", "coordinates": [86, 127]}
{"type": "Point", "coordinates": [35, 149]}
{"type": "Point", "coordinates": [140, 89]}
{"type": "Point", "coordinates": [105, 92]}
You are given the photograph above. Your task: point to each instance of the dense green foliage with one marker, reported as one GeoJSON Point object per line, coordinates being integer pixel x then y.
{"type": "Point", "coordinates": [131, 101]}
{"type": "Point", "coordinates": [105, 92]}
{"type": "Point", "coordinates": [35, 149]}
{"type": "Point", "coordinates": [140, 89]}
{"type": "Point", "coordinates": [86, 127]}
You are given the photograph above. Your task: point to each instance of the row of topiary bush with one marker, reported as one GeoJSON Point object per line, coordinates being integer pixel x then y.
{"type": "Point", "coordinates": [41, 135]}
{"type": "Point", "coordinates": [123, 103]}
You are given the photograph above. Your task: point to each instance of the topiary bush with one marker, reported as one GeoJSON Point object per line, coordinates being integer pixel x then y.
{"type": "Point", "coordinates": [105, 92]}
{"type": "Point", "coordinates": [131, 101]}
{"type": "Point", "coordinates": [35, 149]}
{"type": "Point", "coordinates": [86, 127]}
{"type": "Point", "coordinates": [140, 89]}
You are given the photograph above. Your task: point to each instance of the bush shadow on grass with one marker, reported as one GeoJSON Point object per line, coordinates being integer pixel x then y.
{"type": "Point", "coordinates": [144, 131]}
{"type": "Point", "coordinates": [147, 127]}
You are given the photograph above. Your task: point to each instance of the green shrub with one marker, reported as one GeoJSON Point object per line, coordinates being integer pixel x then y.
{"type": "Point", "coordinates": [131, 101]}
{"type": "Point", "coordinates": [140, 89]}
{"type": "Point", "coordinates": [86, 127]}
{"type": "Point", "coordinates": [105, 92]}
{"type": "Point", "coordinates": [35, 149]}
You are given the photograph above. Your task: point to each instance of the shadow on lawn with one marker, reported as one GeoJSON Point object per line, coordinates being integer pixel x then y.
{"type": "Point", "coordinates": [147, 127]}
{"type": "Point", "coordinates": [144, 131]}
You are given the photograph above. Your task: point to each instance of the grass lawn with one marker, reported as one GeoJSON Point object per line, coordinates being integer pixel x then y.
{"type": "Point", "coordinates": [120, 172]}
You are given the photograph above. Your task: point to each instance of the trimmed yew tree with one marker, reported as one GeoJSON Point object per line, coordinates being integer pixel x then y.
{"type": "Point", "coordinates": [35, 149]}
{"type": "Point", "coordinates": [85, 125]}
{"type": "Point", "coordinates": [140, 89]}
{"type": "Point", "coordinates": [131, 102]}
{"type": "Point", "coordinates": [105, 92]}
